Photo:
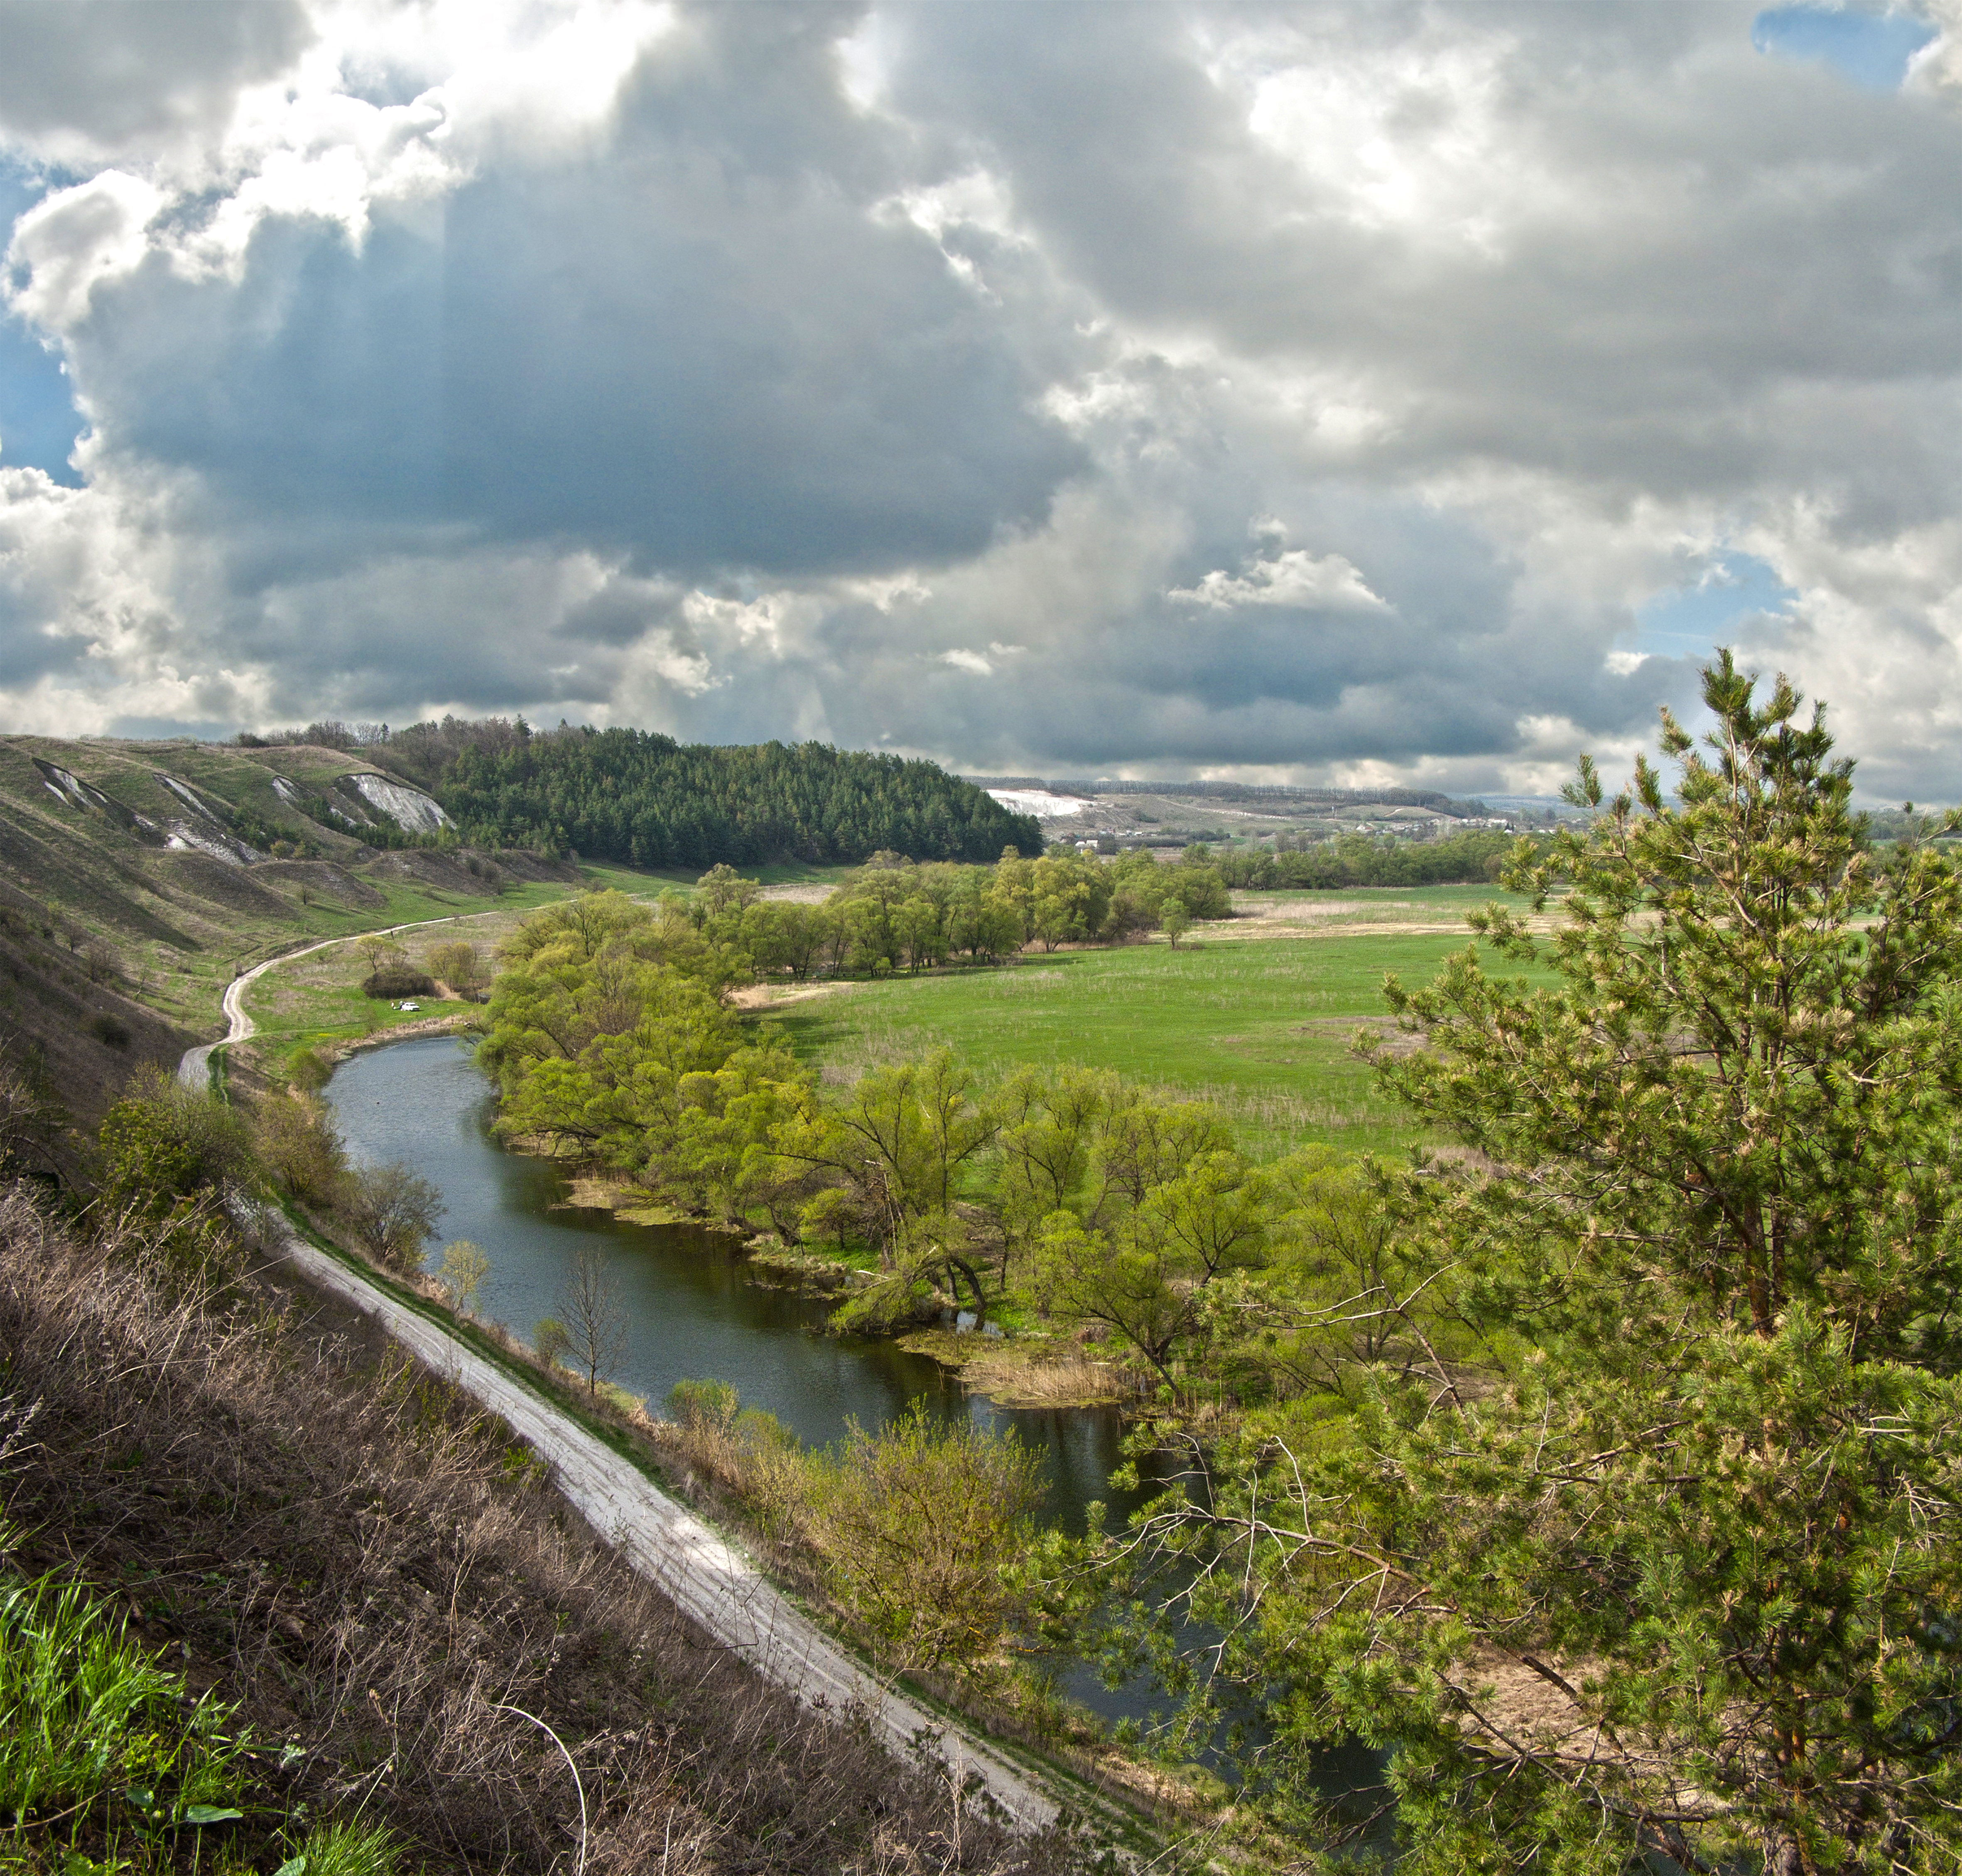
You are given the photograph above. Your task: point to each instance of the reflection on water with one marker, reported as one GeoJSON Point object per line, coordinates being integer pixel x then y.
{"type": "Point", "coordinates": [690, 1312]}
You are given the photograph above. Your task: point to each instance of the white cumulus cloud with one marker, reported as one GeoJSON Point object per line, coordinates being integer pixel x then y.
{"type": "Point", "coordinates": [1294, 578]}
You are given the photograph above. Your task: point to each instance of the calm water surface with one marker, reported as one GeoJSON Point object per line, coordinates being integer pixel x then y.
{"type": "Point", "coordinates": [692, 1312]}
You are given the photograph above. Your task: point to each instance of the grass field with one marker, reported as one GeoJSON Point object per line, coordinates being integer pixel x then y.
{"type": "Point", "coordinates": [1262, 1027]}
{"type": "Point", "coordinates": [1376, 902]}
{"type": "Point", "coordinates": [1258, 1016]}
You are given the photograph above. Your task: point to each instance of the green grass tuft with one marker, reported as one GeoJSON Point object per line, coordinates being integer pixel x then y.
{"type": "Point", "coordinates": [89, 1718]}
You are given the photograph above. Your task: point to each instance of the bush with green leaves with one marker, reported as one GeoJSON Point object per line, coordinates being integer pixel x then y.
{"type": "Point", "coordinates": [702, 1403]}
{"type": "Point", "coordinates": [551, 1339]}
{"type": "Point", "coordinates": [463, 1271]}
{"type": "Point", "coordinates": [393, 1211]}
{"type": "Point", "coordinates": [163, 1142]}
{"type": "Point", "coordinates": [309, 1069]}
{"type": "Point", "coordinates": [299, 1147]}
{"type": "Point", "coordinates": [920, 1527]}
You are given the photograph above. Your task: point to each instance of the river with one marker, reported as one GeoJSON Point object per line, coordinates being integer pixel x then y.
{"type": "Point", "coordinates": [693, 1313]}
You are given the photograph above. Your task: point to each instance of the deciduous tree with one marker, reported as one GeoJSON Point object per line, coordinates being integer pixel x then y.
{"type": "Point", "coordinates": [594, 1317]}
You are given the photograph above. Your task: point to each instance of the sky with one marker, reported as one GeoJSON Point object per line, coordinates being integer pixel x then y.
{"type": "Point", "coordinates": [1358, 394]}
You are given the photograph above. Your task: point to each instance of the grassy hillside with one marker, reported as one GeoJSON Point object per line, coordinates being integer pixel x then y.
{"type": "Point", "coordinates": [388, 1602]}
{"type": "Point", "coordinates": [137, 879]}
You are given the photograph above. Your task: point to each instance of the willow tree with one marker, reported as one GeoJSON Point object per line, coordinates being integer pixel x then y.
{"type": "Point", "coordinates": [1672, 1567]}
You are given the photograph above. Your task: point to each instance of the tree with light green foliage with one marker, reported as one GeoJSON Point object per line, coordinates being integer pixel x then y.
{"type": "Point", "coordinates": [595, 1025]}
{"type": "Point", "coordinates": [462, 1272]}
{"type": "Point", "coordinates": [163, 1142]}
{"type": "Point", "coordinates": [551, 1339]}
{"type": "Point", "coordinates": [1665, 1564]}
{"type": "Point", "coordinates": [892, 1151]}
{"type": "Point", "coordinates": [920, 1528]}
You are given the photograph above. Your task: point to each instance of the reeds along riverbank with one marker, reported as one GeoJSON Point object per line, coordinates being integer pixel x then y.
{"type": "Point", "coordinates": [381, 1581]}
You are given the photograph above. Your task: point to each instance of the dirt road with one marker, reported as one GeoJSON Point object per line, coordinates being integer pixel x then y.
{"type": "Point", "coordinates": [703, 1574]}
{"type": "Point", "coordinates": [194, 1070]}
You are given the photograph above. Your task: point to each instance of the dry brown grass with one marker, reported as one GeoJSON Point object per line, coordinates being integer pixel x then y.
{"type": "Point", "coordinates": [1075, 1380]}
{"type": "Point", "coordinates": [372, 1570]}
{"type": "Point", "coordinates": [1020, 1372]}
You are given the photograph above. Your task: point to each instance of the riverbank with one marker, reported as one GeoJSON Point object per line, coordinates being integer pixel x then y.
{"type": "Point", "coordinates": [692, 1311]}
{"type": "Point", "coordinates": [1018, 1371]}
{"type": "Point", "coordinates": [630, 1473]}
{"type": "Point", "coordinates": [1024, 1370]}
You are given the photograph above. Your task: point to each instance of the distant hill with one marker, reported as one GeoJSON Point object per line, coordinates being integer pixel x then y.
{"type": "Point", "coordinates": [648, 800]}
{"type": "Point", "coordinates": [135, 877]}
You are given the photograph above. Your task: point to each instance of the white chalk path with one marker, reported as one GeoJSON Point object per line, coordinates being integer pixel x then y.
{"type": "Point", "coordinates": [194, 1070]}
{"type": "Point", "coordinates": [702, 1574]}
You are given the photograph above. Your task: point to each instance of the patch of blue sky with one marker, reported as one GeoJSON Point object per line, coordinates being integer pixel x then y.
{"type": "Point", "coordinates": [1869, 49]}
{"type": "Point", "coordinates": [1690, 621]}
{"type": "Point", "coordinates": [38, 421]}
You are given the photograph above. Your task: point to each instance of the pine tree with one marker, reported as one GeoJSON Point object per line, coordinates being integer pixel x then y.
{"type": "Point", "coordinates": [1670, 1564]}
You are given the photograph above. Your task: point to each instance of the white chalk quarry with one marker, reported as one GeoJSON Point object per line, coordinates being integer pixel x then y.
{"type": "Point", "coordinates": [410, 809]}
{"type": "Point", "coordinates": [189, 797]}
{"type": "Point", "coordinates": [1041, 802]}
{"type": "Point", "coordinates": [185, 837]}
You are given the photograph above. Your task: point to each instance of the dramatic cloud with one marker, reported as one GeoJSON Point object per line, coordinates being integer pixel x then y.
{"type": "Point", "coordinates": [1409, 391]}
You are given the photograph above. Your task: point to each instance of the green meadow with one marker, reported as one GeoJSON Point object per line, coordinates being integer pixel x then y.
{"type": "Point", "coordinates": [1381, 904]}
{"type": "Point", "coordinates": [1259, 1015]}
{"type": "Point", "coordinates": [1263, 1027]}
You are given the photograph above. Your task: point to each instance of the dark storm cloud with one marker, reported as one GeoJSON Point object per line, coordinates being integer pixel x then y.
{"type": "Point", "coordinates": [694, 346]}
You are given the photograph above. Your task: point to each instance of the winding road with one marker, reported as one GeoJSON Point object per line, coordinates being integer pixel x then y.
{"type": "Point", "coordinates": [194, 1069]}
{"type": "Point", "coordinates": [703, 1574]}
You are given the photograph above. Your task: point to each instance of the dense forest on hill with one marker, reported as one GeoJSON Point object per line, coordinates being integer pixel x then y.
{"type": "Point", "coordinates": [647, 800]}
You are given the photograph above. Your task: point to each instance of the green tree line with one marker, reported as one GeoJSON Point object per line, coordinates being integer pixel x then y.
{"type": "Point", "coordinates": [647, 800]}
{"type": "Point", "coordinates": [1063, 1195]}
{"type": "Point", "coordinates": [893, 915]}
{"type": "Point", "coordinates": [1354, 860]}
